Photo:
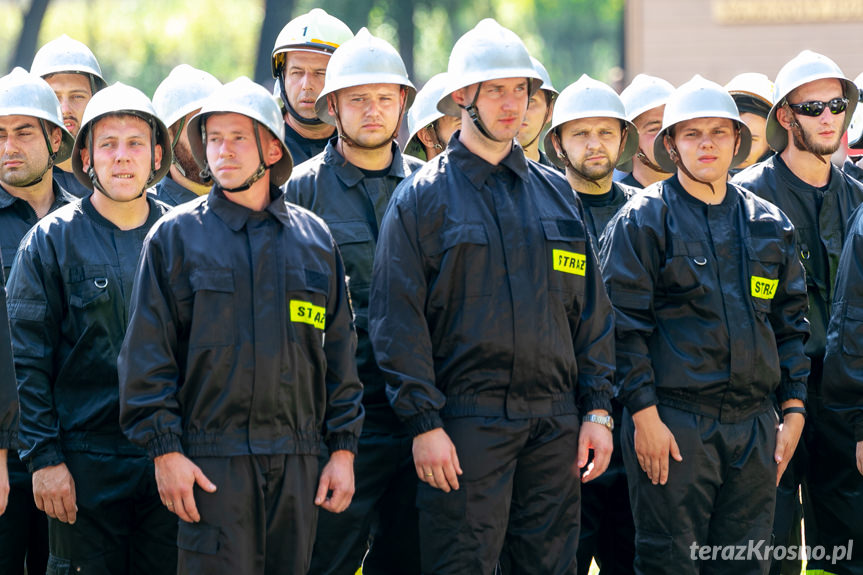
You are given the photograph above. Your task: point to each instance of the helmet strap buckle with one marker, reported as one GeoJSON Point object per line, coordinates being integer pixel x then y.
{"type": "Point", "coordinates": [475, 117]}
{"type": "Point", "coordinates": [675, 157]}
{"type": "Point", "coordinates": [797, 131]}
{"type": "Point", "coordinates": [256, 175]}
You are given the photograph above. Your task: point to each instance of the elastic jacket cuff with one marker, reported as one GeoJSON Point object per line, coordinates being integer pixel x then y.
{"type": "Point", "coordinates": [9, 440]}
{"type": "Point", "coordinates": [162, 444]}
{"type": "Point", "coordinates": [48, 456]}
{"type": "Point", "coordinates": [425, 421]}
{"type": "Point", "coordinates": [641, 399]}
{"type": "Point", "coordinates": [347, 441]}
{"type": "Point", "coordinates": [791, 391]}
{"type": "Point", "coordinates": [596, 401]}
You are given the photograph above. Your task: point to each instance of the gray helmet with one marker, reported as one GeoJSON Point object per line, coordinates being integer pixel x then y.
{"type": "Point", "coordinates": [424, 110]}
{"type": "Point", "coordinates": [806, 67]}
{"type": "Point", "coordinates": [123, 100]}
{"type": "Point", "coordinates": [25, 94]}
{"type": "Point", "coordinates": [487, 52]}
{"type": "Point", "coordinates": [855, 128]}
{"type": "Point", "coordinates": [699, 98]}
{"type": "Point", "coordinates": [589, 98]}
{"type": "Point", "coordinates": [315, 31]}
{"type": "Point", "coordinates": [65, 55]}
{"type": "Point", "coordinates": [364, 59]}
{"type": "Point", "coordinates": [244, 97]}
{"type": "Point", "coordinates": [752, 84]}
{"type": "Point", "coordinates": [182, 92]}
{"type": "Point", "coordinates": [546, 79]}
{"type": "Point", "coordinates": [752, 92]}
{"type": "Point", "coordinates": [644, 93]}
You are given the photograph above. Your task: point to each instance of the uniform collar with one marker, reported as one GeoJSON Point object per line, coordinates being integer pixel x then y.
{"type": "Point", "coordinates": [61, 197]}
{"type": "Point", "coordinates": [729, 200]}
{"type": "Point", "coordinates": [477, 169]}
{"type": "Point", "coordinates": [235, 216]}
{"type": "Point", "coordinates": [789, 176]}
{"type": "Point", "coordinates": [174, 191]}
{"type": "Point", "coordinates": [90, 210]}
{"type": "Point", "coordinates": [292, 134]}
{"type": "Point", "coordinates": [349, 174]}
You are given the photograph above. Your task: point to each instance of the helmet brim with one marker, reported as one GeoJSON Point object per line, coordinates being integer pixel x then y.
{"type": "Point", "coordinates": [666, 163]}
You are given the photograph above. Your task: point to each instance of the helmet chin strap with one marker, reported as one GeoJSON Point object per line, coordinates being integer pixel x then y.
{"type": "Point", "coordinates": [94, 177]}
{"type": "Point", "coordinates": [176, 161]}
{"type": "Point", "coordinates": [642, 157]}
{"type": "Point", "coordinates": [438, 141]}
{"type": "Point", "coordinates": [355, 144]}
{"type": "Point", "coordinates": [797, 133]}
{"type": "Point", "coordinates": [176, 139]}
{"type": "Point", "coordinates": [259, 173]}
{"type": "Point", "coordinates": [568, 165]}
{"type": "Point", "coordinates": [294, 114]}
{"type": "Point", "coordinates": [544, 122]}
{"type": "Point", "coordinates": [675, 157]}
{"type": "Point", "coordinates": [52, 155]}
{"type": "Point", "coordinates": [475, 117]}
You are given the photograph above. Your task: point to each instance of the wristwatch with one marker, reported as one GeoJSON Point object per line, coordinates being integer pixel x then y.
{"type": "Point", "coordinates": [605, 420]}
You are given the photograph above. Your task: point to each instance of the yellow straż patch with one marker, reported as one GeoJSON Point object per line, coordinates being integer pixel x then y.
{"type": "Point", "coordinates": [569, 262]}
{"type": "Point", "coordinates": [306, 312]}
{"type": "Point", "coordinates": [763, 288]}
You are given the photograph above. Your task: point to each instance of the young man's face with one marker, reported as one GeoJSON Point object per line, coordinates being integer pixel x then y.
{"type": "Point", "coordinates": [23, 152]}
{"type": "Point", "coordinates": [502, 105]}
{"type": "Point", "coordinates": [121, 156]}
{"type": "Point", "coordinates": [438, 132]}
{"type": "Point", "coordinates": [445, 127]}
{"type": "Point", "coordinates": [304, 80]}
{"type": "Point", "coordinates": [369, 114]}
{"type": "Point", "coordinates": [758, 127]}
{"type": "Point", "coordinates": [706, 147]}
{"type": "Point", "coordinates": [534, 119]}
{"type": "Point", "coordinates": [592, 145]}
{"type": "Point", "coordinates": [648, 124]}
{"type": "Point", "coordinates": [183, 151]}
{"type": "Point", "coordinates": [73, 91]}
{"type": "Point", "coordinates": [822, 134]}
{"type": "Point", "coordinates": [232, 152]}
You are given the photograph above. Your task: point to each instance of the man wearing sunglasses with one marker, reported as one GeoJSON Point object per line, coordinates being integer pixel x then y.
{"type": "Point", "coordinates": [813, 106]}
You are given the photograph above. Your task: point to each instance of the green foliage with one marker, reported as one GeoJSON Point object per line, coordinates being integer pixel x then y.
{"type": "Point", "coordinates": [10, 26]}
{"type": "Point", "coordinates": [580, 37]}
{"type": "Point", "coordinates": [138, 41]}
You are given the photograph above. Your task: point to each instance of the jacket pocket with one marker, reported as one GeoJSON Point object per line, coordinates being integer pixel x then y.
{"type": "Point", "coordinates": [461, 256]}
{"type": "Point", "coordinates": [655, 551]}
{"type": "Point", "coordinates": [765, 256]}
{"type": "Point", "coordinates": [357, 247]}
{"type": "Point", "coordinates": [198, 538]}
{"type": "Point", "coordinates": [8, 255]}
{"type": "Point", "coordinates": [566, 250]}
{"type": "Point", "coordinates": [90, 294]}
{"type": "Point", "coordinates": [213, 317]}
{"type": "Point", "coordinates": [58, 566]}
{"type": "Point", "coordinates": [682, 277]}
{"type": "Point", "coordinates": [306, 294]}
{"type": "Point", "coordinates": [852, 330]}
{"type": "Point", "coordinates": [90, 291]}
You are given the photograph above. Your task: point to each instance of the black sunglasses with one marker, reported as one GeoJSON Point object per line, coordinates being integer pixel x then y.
{"type": "Point", "coordinates": [815, 108]}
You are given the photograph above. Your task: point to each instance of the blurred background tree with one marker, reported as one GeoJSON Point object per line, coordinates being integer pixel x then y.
{"type": "Point", "coordinates": [138, 41]}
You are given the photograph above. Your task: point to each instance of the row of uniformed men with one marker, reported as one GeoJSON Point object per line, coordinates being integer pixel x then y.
{"type": "Point", "coordinates": [509, 422]}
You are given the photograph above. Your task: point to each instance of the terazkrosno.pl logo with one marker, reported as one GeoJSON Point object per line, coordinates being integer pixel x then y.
{"type": "Point", "coordinates": [761, 551]}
